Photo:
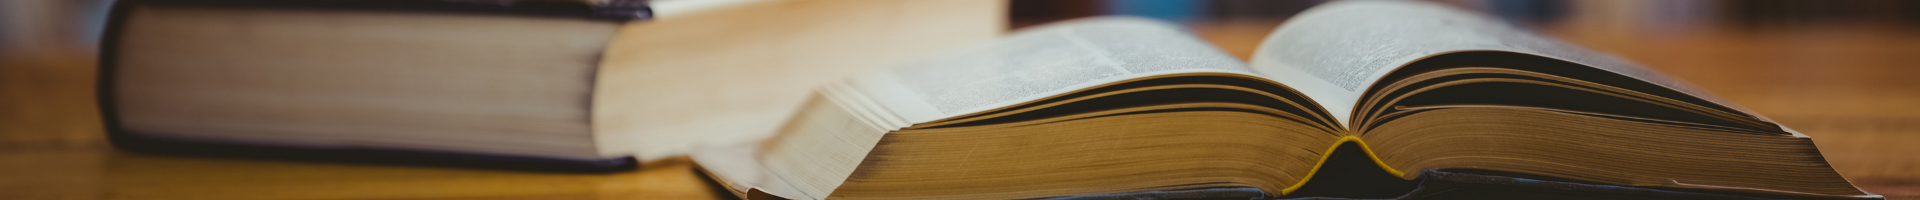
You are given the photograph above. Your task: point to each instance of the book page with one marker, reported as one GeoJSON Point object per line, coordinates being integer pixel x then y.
{"type": "Point", "coordinates": [1334, 52]}
{"type": "Point", "coordinates": [1040, 62]}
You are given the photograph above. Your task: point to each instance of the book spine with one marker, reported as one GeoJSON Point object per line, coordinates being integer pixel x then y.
{"type": "Point", "coordinates": [123, 139]}
{"type": "Point", "coordinates": [607, 10]}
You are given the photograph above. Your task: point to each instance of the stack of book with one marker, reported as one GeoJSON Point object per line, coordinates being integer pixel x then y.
{"type": "Point", "coordinates": [1352, 99]}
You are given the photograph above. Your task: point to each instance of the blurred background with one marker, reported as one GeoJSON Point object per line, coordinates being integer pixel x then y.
{"type": "Point", "coordinates": [1845, 72]}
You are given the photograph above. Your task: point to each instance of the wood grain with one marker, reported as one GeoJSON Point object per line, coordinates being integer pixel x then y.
{"type": "Point", "coordinates": [1851, 87]}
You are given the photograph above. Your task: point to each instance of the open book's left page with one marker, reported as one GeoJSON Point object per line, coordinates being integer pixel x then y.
{"type": "Point", "coordinates": [848, 118]}
{"type": "Point", "coordinates": [1041, 62]}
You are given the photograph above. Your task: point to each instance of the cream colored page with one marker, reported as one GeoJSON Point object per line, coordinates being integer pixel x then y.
{"type": "Point", "coordinates": [1333, 52]}
{"type": "Point", "coordinates": [734, 167]}
{"type": "Point", "coordinates": [1041, 62]}
{"type": "Point", "coordinates": [737, 72]}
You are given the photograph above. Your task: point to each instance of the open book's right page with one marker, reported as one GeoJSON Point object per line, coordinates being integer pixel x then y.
{"type": "Point", "coordinates": [1334, 52]}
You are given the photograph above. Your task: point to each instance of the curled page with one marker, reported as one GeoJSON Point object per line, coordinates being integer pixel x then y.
{"type": "Point", "coordinates": [1333, 52]}
{"type": "Point", "coordinates": [1041, 62]}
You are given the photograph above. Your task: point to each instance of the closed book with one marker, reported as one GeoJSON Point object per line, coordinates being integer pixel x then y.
{"type": "Point", "coordinates": [560, 84]}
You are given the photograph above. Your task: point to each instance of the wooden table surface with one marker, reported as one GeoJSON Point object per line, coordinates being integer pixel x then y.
{"type": "Point", "coordinates": [1854, 88]}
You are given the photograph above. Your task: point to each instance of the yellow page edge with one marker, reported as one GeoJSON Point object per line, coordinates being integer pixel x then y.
{"type": "Point", "coordinates": [1329, 154]}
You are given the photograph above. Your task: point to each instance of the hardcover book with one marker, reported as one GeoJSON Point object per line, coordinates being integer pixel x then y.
{"type": "Point", "coordinates": [544, 84]}
{"type": "Point", "coordinates": [1351, 99]}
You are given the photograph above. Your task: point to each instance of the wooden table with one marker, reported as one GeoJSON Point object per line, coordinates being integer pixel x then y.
{"type": "Point", "coordinates": [1854, 88]}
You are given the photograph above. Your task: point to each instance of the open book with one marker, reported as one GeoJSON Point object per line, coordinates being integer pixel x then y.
{"type": "Point", "coordinates": [1127, 105]}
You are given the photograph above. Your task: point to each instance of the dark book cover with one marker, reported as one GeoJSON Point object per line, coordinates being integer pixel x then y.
{"type": "Point", "coordinates": [1444, 184]}
{"type": "Point", "coordinates": [603, 10]}
{"type": "Point", "coordinates": [1350, 175]}
{"type": "Point", "coordinates": [613, 10]}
